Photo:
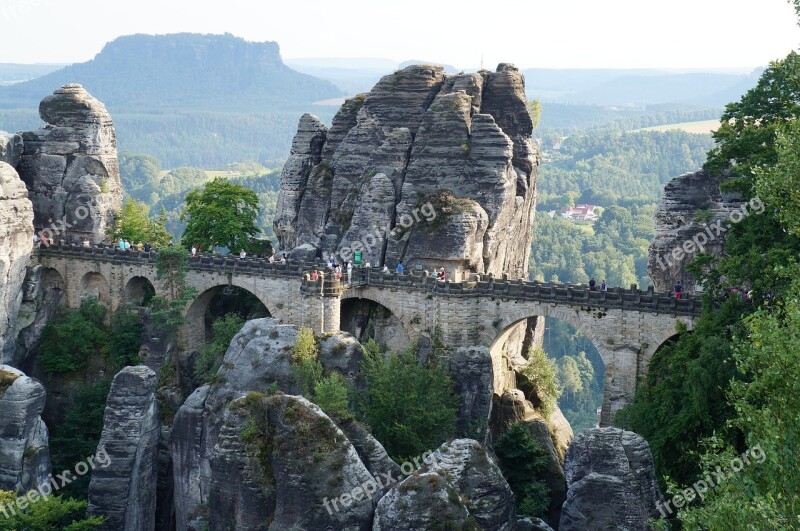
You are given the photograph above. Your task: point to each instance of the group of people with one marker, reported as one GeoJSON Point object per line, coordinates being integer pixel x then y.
{"type": "Point", "coordinates": [594, 287]}
{"type": "Point", "coordinates": [125, 245]}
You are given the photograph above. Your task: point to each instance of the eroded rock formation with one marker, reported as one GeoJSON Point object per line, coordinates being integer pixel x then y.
{"type": "Point", "coordinates": [257, 358]}
{"type": "Point", "coordinates": [16, 243]}
{"type": "Point", "coordinates": [691, 207]}
{"type": "Point", "coordinates": [124, 491]}
{"type": "Point", "coordinates": [24, 454]}
{"type": "Point", "coordinates": [70, 166]}
{"type": "Point", "coordinates": [460, 144]}
{"type": "Point", "coordinates": [611, 482]}
{"type": "Point", "coordinates": [10, 148]}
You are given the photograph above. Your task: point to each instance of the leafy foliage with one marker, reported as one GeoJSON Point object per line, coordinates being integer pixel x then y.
{"type": "Point", "coordinates": [126, 338]}
{"type": "Point", "coordinates": [77, 436]}
{"type": "Point", "coordinates": [765, 493]}
{"type": "Point", "coordinates": [222, 333]}
{"type": "Point", "coordinates": [222, 214]}
{"type": "Point", "coordinates": [332, 394]}
{"type": "Point", "coordinates": [69, 340]}
{"type": "Point", "coordinates": [746, 138]}
{"type": "Point", "coordinates": [541, 385]}
{"type": "Point", "coordinates": [54, 513]}
{"type": "Point", "coordinates": [410, 406]}
{"type": "Point", "coordinates": [135, 225]}
{"type": "Point", "coordinates": [524, 465]}
{"type": "Point", "coordinates": [306, 367]}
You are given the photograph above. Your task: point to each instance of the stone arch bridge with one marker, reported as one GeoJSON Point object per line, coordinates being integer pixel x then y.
{"type": "Point", "coordinates": [626, 326]}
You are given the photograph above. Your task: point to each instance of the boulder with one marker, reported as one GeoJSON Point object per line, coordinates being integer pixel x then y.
{"type": "Point", "coordinates": [125, 490]}
{"type": "Point", "coordinates": [422, 501]}
{"type": "Point", "coordinates": [473, 471]}
{"type": "Point", "coordinates": [281, 463]}
{"type": "Point", "coordinates": [611, 482]}
{"type": "Point", "coordinates": [24, 454]}
{"type": "Point", "coordinates": [16, 243]}
{"type": "Point", "coordinates": [70, 167]}
{"type": "Point", "coordinates": [257, 359]}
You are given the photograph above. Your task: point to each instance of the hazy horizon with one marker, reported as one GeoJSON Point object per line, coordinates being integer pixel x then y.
{"type": "Point", "coordinates": [688, 35]}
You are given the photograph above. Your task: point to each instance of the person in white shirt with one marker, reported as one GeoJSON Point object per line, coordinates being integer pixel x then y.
{"type": "Point", "coordinates": [242, 254]}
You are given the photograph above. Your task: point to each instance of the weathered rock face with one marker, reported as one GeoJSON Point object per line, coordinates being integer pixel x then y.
{"type": "Point", "coordinates": [422, 501]}
{"type": "Point", "coordinates": [471, 370]}
{"type": "Point", "coordinates": [42, 293]}
{"type": "Point", "coordinates": [426, 168]}
{"type": "Point", "coordinates": [10, 148]}
{"type": "Point", "coordinates": [691, 207]}
{"type": "Point", "coordinates": [16, 241]}
{"type": "Point", "coordinates": [258, 357]}
{"type": "Point", "coordinates": [70, 166]}
{"type": "Point", "coordinates": [24, 455]}
{"type": "Point", "coordinates": [553, 434]}
{"type": "Point", "coordinates": [290, 462]}
{"type": "Point", "coordinates": [125, 490]}
{"type": "Point", "coordinates": [611, 481]}
{"type": "Point", "coordinates": [473, 471]}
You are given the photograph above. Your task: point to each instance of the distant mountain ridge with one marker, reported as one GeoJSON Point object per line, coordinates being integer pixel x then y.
{"type": "Point", "coordinates": [182, 71]}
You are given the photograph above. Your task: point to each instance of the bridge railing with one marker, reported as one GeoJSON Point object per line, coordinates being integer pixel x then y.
{"type": "Point", "coordinates": [477, 284]}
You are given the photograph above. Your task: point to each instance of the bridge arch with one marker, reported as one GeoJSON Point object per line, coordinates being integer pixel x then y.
{"type": "Point", "coordinates": [139, 290]}
{"type": "Point", "coordinates": [215, 302]}
{"type": "Point", "coordinates": [365, 316]}
{"type": "Point", "coordinates": [95, 285]}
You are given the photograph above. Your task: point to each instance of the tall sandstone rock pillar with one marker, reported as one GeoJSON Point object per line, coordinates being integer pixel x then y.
{"type": "Point", "coordinates": [16, 235]}
{"type": "Point", "coordinates": [427, 168]}
{"type": "Point", "coordinates": [70, 166]}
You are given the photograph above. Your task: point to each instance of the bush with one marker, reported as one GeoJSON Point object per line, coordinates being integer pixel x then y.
{"type": "Point", "coordinates": [222, 333]}
{"type": "Point", "coordinates": [306, 367]}
{"type": "Point", "coordinates": [73, 336]}
{"type": "Point", "coordinates": [542, 387]}
{"type": "Point", "coordinates": [331, 394]}
{"type": "Point", "coordinates": [54, 513]}
{"type": "Point", "coordinates": [126, 339]}
{"type": "Point", "coordinates": [523, 462]}
{"type": "Point", "coordinates": [410, 406]}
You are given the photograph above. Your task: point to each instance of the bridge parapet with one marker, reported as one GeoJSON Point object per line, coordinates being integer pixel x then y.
{"type": "Point", "coordinates": [477, 285]}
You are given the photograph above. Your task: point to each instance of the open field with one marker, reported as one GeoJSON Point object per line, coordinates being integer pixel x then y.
{"type": "Point", "coordinates": [704, 126]}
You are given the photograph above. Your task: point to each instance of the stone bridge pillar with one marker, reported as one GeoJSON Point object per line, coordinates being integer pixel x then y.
{"type": "Point", "coordinates": [322, 305]}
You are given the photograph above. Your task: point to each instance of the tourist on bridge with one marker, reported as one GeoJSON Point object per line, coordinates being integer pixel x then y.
{"type": "Point", "coordinates": [442, 275]}
{"type": "Point", "coordinates": [121, 244]}
{"type": "Point", "coordinates": [399, 268]}
{"type": "Point", "coordinates": [242, 254]}
{"type": "Point", "coordinates": [194, 250]}
{"type": "Point", "coordinates": [86, 243]}
{"type": "Point", "coordinates": [315, 275]}
{"type": "Point", "coordinates": [283, 259]}
{"type": "Point", "coordinates": [147, 247]}
{"type": "Point", "coordinates": [271, 259]}
{"type": "Point", "coordinates": [385, 269]}
{"type": "Point", "coordinates": [127, 245]}
{"type": "Point", "coordinates": [349, 271]}
{"type": "Point", "coordinates": [678, 289]}
{"type": "Point", "coordinates": [592, 284]}
{"type": "Point", "coordinates": [603, 286]}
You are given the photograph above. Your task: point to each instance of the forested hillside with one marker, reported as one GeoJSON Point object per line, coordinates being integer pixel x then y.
{"type": "Point", "coordinates": [188, 99]}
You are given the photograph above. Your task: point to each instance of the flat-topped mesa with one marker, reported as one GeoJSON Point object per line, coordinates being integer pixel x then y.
{"type": "Point", "coordinates": [427, 168]}
{"type": "Point", "coordinates": [70, 166]}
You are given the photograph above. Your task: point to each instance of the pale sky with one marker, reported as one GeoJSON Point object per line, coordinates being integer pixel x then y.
{"type": "Point", "coordinates": [532, 33]}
